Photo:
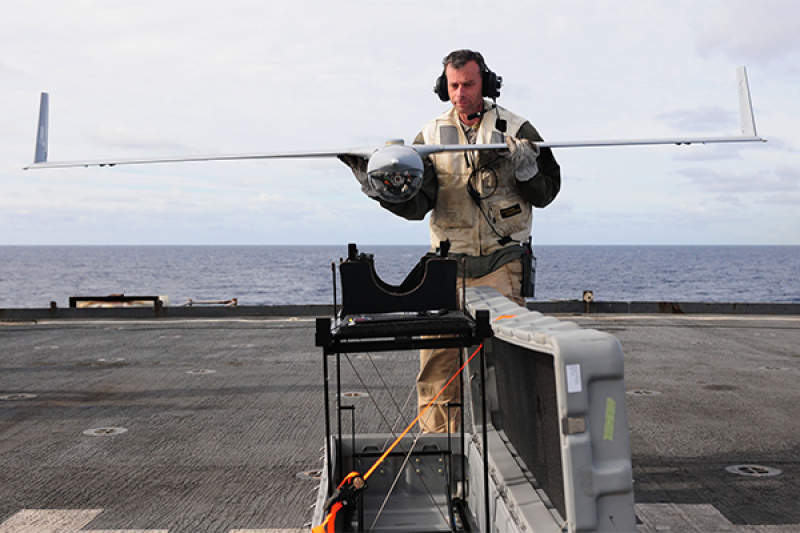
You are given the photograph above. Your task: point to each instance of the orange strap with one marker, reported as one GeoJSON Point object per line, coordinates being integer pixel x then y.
{"type": "Point", "coordinates": [332, 517]}
{"type": "Point", "coordinates": [430, 403]}
{"type": "Point", "coordinates": [347, 478]}
{"type": "Point", "coordinates": [328, 525]}
{"type": "Point", "coordinates": [320, 528]}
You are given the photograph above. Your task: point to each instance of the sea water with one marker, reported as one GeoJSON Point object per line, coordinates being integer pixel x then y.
{"type": "Point", "coordinates": [33, 276]}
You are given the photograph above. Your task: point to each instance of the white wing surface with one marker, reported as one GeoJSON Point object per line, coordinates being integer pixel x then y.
{"type": "Point", "coordinates": [747, 119]}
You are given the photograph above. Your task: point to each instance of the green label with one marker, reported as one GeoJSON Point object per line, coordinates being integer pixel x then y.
{"type": "Point", "coordinates": [611, 416]}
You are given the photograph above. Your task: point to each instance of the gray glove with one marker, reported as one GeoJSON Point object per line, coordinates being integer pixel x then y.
{"type": "Point", "coordinates": [523, 154]}
{"type": "Point", "coordinates": [358, 165]}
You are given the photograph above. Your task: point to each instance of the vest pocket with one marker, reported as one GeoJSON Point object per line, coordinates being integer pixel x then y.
{"type": "Point", "coordinates": [510, 217]}
{"type": "Point", "coordinates": [453, 218]}
{"type": "Point", "coordinates": [454, 208]}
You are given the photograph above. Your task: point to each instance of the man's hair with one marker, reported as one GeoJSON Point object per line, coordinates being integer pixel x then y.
{"type": "Point", "coordinates": [459, 58]}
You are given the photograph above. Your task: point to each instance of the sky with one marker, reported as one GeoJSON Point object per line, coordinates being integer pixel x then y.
{"type": "Point", "coordinates": [176, 77]}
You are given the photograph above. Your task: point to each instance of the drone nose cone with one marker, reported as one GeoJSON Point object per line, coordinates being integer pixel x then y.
{"type": "Point", "coordinates": [395, 172]}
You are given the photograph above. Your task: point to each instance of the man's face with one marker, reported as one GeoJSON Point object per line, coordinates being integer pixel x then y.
{"type": "Point", "coordinates": [465, 87]}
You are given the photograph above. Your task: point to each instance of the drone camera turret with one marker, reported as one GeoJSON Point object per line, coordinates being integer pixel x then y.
{"type": "Point", "coordinates": [395, 172]}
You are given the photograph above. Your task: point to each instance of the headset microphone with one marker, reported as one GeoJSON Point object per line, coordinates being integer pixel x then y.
{"type": "Point", "coordinates": [500, 123]}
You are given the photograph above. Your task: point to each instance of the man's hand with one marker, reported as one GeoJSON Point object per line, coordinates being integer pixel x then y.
{"type": "Point", "coordinates": [358, 165]}
{"type": "Point", "coordinates": [523, 154]}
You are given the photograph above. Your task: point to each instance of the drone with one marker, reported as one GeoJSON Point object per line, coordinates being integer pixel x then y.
{"type": "Point", "coordinates": [395, 169]}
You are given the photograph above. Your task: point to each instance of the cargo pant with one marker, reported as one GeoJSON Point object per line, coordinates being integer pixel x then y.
{"type": "Point", "coordinates": [437, 366]}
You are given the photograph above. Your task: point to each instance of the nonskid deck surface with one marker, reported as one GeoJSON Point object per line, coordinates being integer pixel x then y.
{"type": "Point", "coordinates": [204, 424]}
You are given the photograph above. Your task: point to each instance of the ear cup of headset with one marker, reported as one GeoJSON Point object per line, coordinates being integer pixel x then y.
{"type": "Point", "coordinates": [491, 84]}
{"type": "Point", "coordinates": [441, 88]}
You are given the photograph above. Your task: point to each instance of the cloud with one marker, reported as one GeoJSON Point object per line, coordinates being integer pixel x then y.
{"type": "Point", "coordinates": [725, 182]}
{"type": "Point", "coordinates": [689, 209]}
{"type": "Point", "coordinates": [151, 78]}
{"type": "Point", "coordinates": [782, 199]}
{"type": "Point", "coordinates": [145, 138]}
{"type": "Point", "coordinates": [788, 173]}
{"type": "Point", "coordinates": [776, 143]}
{"type": "Point", "coordinates": [705, 118]}
{"type": "Point", "coordinates": [716, 152]}
{"type": "Point", "coordinates": [728, 198]}
{"type": "Point", "coordinates": [763, 30]}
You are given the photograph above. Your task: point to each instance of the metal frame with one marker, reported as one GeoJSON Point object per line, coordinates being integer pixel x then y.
{"type": "Point", "coordinates": [330, 338]}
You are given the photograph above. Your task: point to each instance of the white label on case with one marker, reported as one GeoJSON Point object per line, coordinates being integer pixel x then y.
{"type": "Point", "coordinates": [574, 378]}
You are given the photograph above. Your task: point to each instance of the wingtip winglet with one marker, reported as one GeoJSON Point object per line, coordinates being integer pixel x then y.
{"type": "Point", "coordinates": [746, 114]}
{"type": "Point", "coordinates": [42, 130]}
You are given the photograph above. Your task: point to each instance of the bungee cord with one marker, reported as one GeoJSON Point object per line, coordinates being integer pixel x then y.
{"type": "Point", "coordinates": [413, 444]}
{"type": "Point", "coordinates": [425, 410]}
{"type": "Point", "coordinates": [401, 416]}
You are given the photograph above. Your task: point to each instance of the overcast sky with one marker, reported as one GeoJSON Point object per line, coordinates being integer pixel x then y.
{"type": "Point", "coordinates": [173, 77]}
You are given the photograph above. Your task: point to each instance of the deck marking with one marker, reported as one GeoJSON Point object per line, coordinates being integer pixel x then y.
{"type": "Point", "coordinates": [121, 531]}
{"type": "Point", "coordinates": [655, 517]}
{"type": "Point", "coordinates": [695, 518]}
{"type": "Point", "coordinates": [49, 520]}
{"type": "Point", "coordinates": [74, 520]}
{"type": "Point", "coordinates": [254, 320]}
{"type": "Point", "coordinates": [269, 531]}
{"type": "Point", "coordinates": [60, 521]}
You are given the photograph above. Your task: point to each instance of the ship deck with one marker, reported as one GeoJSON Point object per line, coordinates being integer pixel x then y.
{"type": "Point", "coordinates": [212, 423]}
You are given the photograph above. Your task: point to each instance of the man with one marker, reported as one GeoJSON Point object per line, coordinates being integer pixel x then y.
{"type": "Point", "coordinates": [482, 202]}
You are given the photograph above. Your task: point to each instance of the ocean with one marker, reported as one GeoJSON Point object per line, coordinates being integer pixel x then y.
{"type": "Point", "coordinates": [33, 276]}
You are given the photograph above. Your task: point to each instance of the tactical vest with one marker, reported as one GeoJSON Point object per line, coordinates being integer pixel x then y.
{"type": "Point", "coordinates": [456, 216]}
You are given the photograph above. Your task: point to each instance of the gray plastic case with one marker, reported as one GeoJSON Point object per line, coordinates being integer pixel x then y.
{"type": "Point", "coordinates": [593, 440]}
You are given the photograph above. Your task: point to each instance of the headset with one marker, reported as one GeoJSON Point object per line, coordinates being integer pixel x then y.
{"type": "Point", "coordinates": [491, 84]}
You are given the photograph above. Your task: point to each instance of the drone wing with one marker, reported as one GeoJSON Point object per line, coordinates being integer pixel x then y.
{"type": "Point", "coordinates": [110, 162]}
{"type": "Point", "coordinates": [747, 118]}
{"type": "Point", "coordinates": [40, 160]}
